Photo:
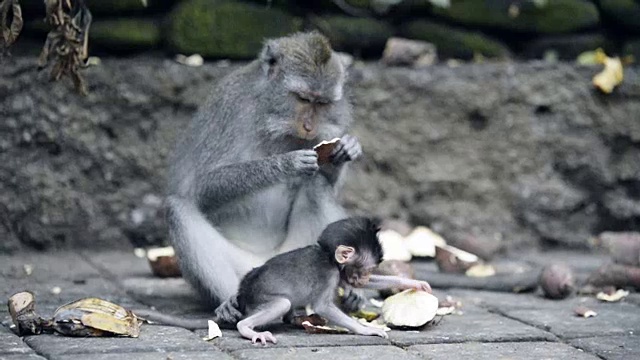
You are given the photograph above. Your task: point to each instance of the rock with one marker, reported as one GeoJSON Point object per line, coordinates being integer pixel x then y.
{"type": "Point", "coordinates": [556, 16]}
{"type": "Point", "coordinates": [125, 34]}
{"type": "Point", "coordinates": [226, 30]}
{"type": "Point", "coordinates": [453, 42]}
{"type": "Point", "coordinates": [567, 47]}
{"type": "Point", "coordinates": [624, 13]}
{"type": "Point", "coordinates": [364, 36]}
{"type": "Point", "coordinates": [404, 52]}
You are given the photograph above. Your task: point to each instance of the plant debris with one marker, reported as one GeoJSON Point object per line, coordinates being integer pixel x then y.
{"type": "Point", "coordinates": [67, 42]}
{"type": "Point", "coordinates": [454, 260]}
{"type": "Point", "coordinates": [163, 262]}
{"type": "Point", "coordinates": [557, 281]}
{"type": "Point", "coordinates": [10, 23]}
{"type": "Point", "coordinates": [365, 314]}
{"type": "Point", "coordinates": [84, 317]}
{"type": "Point", "coordinates": [410, 308]}
{"type": "Point", "coordinates": [584, 312]}
{"type": "Point", "coordinates": [214, 331]}
{"type": "Point", "coordinates": [612, 74]}
{"type": "Point", "coordinates": [614, 296]}
{"type": "Point", "coordinates": [481, 270]}
{"type": "Point", "coordinates": [313, 319]}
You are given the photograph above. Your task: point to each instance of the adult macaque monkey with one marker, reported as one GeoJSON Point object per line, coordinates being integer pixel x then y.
{"type": "Point", "coordinates": [244, 182]}
{"type": "Point", "coordinates": [346, 253]}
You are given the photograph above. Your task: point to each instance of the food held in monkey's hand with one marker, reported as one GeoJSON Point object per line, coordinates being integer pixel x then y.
{"type": "Point", "coordinates": [454, 260]}
{"type": "Point", "coordinates": [163, 262]}
{"type": "Point", "coordinates": [410, 308]}
{"type": "Point", "coordinates": [557, 281]}
{"type": "Point", "coordinates": [324, 150]}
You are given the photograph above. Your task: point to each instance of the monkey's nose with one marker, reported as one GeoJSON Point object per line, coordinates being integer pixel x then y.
{"type": "Point", "coordinates": [308, 127]}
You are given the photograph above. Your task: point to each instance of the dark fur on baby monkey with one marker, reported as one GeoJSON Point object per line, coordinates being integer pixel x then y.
{"type": "Point", "coordinates": [346, 253]}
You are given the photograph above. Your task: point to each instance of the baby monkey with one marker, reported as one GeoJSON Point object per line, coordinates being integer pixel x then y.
{"type": "Point", "coordinates": [346, 253]}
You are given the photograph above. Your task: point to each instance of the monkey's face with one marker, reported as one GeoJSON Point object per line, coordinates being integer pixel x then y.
{"type": "Point", "coordinates": [357, 275]}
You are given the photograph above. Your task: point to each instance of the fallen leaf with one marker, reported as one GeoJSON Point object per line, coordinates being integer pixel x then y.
{"type": "Point", "coordinates": [584, 312]}
{"type": "Point", "coordinates": [616, 296]}
{"type": "Point", "coordinates": [214, 331]}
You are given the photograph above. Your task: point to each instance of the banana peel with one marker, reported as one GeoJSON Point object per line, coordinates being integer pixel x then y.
{"type": "Point", "coordinates": [84, 317]}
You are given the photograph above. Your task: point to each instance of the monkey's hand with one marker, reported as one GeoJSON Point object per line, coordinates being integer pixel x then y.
{"type": "Point", "coordinates": [348, 149]}
{"type": "Point", "coordinates": [371, 331]}
{"type": "Point", "coordinates": [228, 311]}
{"type": "Point", "coordinates": [301, 162]}
{"type": "Point", "coordinates": [420, 285]}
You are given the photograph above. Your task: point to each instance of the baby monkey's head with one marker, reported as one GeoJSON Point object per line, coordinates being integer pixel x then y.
{"type": "Point", "coordinates": [353, 244]}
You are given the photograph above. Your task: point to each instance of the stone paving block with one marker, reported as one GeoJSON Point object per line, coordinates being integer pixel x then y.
{"type": "Point", "coordinates": [32, 356]}
{"type": "Point", "coordinates": [212, 354]}
{"type": "Point", "coordinates": [152, 339]}
{"type": "Point", "coordinates": [171, 295]}
{"type": "Point", "coordinates": [474, 326]}
{"type": "Point", "coordinates": [119, 263]}
{"type": "Point", "coordinates": [495, 351]}
{"type": "Point", "coordinates": [46, 266]}
{"type": "Point", "coordinates": [500, 301]}
{"type": "Point", "coordinates": [322, 353]}
{"type": "Point", "coordinates": [288, 336]}
{"type": "Point", "coordinates": [11, 344]}
{"type": "Point", "coordinates": [580, 262]}
{"type": "Point", "coordinates": [612, 319]}
{"type": "Point", "coordinates": [611, 347]}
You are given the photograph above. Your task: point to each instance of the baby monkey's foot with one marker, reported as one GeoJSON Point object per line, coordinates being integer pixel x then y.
{"type": "Point", "coordinates": [263, 337]}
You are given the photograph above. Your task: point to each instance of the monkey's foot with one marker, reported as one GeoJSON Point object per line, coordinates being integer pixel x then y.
{"type": "Point", "coordinates": [263, 337]}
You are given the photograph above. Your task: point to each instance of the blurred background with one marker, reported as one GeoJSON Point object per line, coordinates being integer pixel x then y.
{"type": "Point", "coordinates": [489, 130]}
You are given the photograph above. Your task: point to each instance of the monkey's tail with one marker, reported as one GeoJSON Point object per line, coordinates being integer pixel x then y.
{"type": "Point", "coordinates": [172, 320]}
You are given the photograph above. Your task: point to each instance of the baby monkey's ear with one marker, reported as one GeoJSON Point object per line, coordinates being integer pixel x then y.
{"type": "Point", "coordinates": [344, 254]}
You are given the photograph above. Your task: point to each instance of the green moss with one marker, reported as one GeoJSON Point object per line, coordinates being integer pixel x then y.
{"type": "Point", "coordinates": [225, 29]}
{"type": "Point", "coordinates": [622, 12]}
{"type": "Point", "coordinates": [367, 36]}
{"type": "Point", "coordinates": [452, 42]}
{"type": "Point", "coordinates": [117, 6]}
{"type": "Point", "coordinates": [125, 34]}
{"type": "Point", "coordinates": [550, 16]}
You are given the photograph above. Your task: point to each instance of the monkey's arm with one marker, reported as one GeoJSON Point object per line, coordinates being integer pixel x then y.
{"type": "Point", "coordinates": [222, 184]}
{"type": "Point", "coordinates": [380, 282]}
{"type": "Point", "coordinates": [332, 313]}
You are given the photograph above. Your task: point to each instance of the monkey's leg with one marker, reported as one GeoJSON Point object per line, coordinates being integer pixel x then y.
{"type": "Point", "coordinates": [332, 313]}
{"type": "Point", "coordinates": [267, 313]}
{"type": "Point", "coordinates": [208, 261]}
{"type": "Point", "coordinates": [315, 207]}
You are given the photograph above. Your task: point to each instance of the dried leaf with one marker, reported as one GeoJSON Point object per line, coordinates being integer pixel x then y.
{"type": "Point", "coordinates": [214, 331]}
{"type": "Point", "coordinates": [10, 31]}
{"type": "Point", "coordinates": [614, 297]}
{"type": "Point", "coordinates": [365, 314]}
{"type": "Point", "coordinates": [481, 270]}
{"type": "Point", "coordinates": [97, 318]}
{"type": "Point", "coordinates": [584, 312]}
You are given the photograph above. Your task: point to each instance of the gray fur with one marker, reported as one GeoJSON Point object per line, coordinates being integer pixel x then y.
{"type": "Point", "coordinates": [243, 186]}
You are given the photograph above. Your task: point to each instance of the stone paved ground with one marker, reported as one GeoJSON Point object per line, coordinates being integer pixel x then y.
{"type": "Point", "coordinates": [492, 325]}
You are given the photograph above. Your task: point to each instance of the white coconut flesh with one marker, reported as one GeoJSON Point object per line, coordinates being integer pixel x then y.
{"type": "Point", "coordinates": [410, 308]}
{"type": "Point", "coordinates": [422, 241]}
{"type": "Point", "coordinates": [393, 246]}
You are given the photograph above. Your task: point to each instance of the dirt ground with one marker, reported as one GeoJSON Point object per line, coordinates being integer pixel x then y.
{"type": "Point", "coordinates": [516, 154]}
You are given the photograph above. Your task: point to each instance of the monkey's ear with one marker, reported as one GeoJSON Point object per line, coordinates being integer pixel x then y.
{"type": "Point", "coordinates": [270, 58]}
{"type": "Point", "coordinates": [344, 253]}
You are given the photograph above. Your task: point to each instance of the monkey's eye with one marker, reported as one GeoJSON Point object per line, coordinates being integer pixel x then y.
{"type": "Point", "coordinates": [302, 98]}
